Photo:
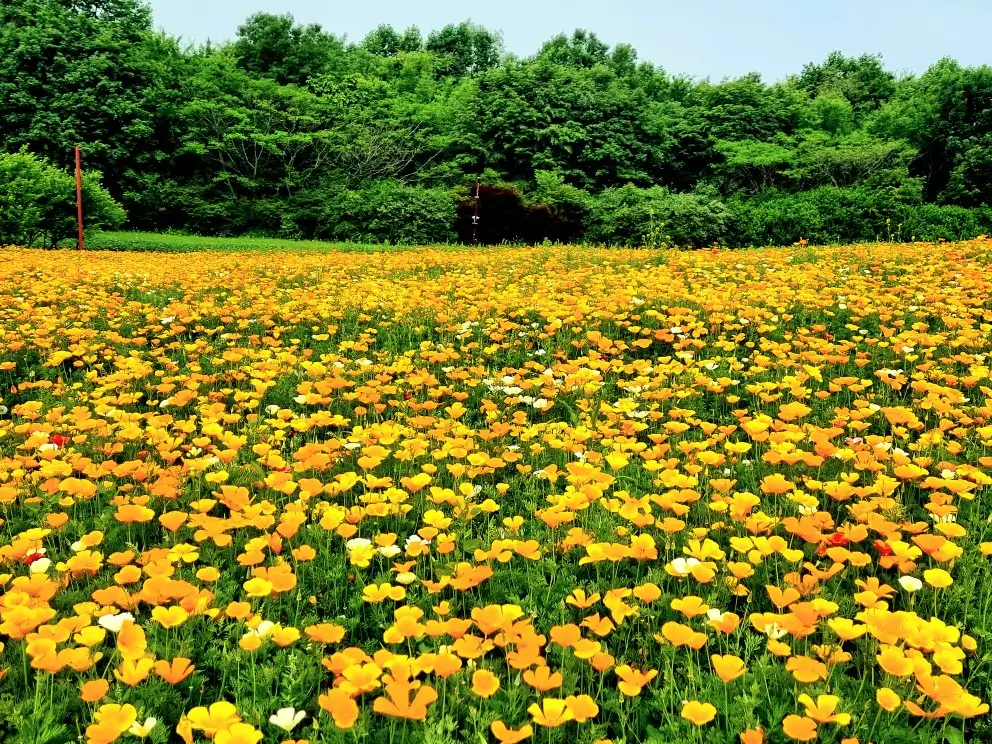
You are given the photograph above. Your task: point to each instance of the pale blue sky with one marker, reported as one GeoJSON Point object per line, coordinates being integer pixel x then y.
{"type": "Point", "coordinates": [702, 38]}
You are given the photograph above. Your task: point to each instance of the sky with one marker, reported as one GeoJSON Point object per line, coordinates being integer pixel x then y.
{"type": "Point", "coordinates": [701, 38]}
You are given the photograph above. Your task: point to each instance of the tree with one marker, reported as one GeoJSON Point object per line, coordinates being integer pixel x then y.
{"type": "Point", "coordinates": [90, 73]}
{"type": "Point", "coordinates": [862, 81]}
{"type": "Point", "coordinates": [834, 113]}
{"type": "Point", "coordinates": [382, 130]}
{"type": "Point", "coordinates": [276, 46]}
{"type": "Point", "coordinates": [746, 108]}
{"type": "Point", "coordinates": [751, 166]}
{"type": "Point", "coordinates": [858, 158]}
{"type": "Point", "coordinates": [38, 202]}
{"type": "Point", "coordinates": [582, 49]}
{"type": "Point", "coordinates": [464, 49]}
{"type": "Point", "coordinates": [590, 125]}
{"type": "Point", "coordinates": [385, 41]}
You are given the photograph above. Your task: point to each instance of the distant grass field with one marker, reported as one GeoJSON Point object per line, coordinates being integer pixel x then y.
{"type": "Point", "coordinates": [173, 243]}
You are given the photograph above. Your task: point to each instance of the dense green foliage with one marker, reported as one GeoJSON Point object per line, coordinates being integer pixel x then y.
{"type": "Point", "coordinates": [289, 130]}
{"type": "Point", "coordinates": [38, 202]}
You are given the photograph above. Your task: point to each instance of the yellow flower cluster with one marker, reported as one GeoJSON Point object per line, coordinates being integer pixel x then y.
{"type": "Point", "coordinates": [727, 493]}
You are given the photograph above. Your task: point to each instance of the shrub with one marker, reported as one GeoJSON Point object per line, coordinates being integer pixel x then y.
{"type": "Point", "coordinates": [823, 215]}
{"type": "Point", "coordinates": [566, 206]}
{"type": "Point", "coordinates": [932, 222]}
{"type": "Point", "coordinates": [836, 215]}
{"type": "Point", "coordinates": [38, 202]}
{"type": "Point", "coordinates": [388, 211]}
{"type": "Point", "coordinates": [507, 216]}
{"type": "Point", "coordinates": [633, 216]}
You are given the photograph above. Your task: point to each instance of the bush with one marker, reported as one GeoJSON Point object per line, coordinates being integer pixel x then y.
{"type": "Point", "coordinates": [38, 202]}
{"type": "Point", "coordinates": [658, 217]}
{"type": "Point", "coordinates": [932, 222]}
{"type": "Point", "coordinates": [567, 206]}
{"type": "Point", "coordinates": [829, 215]}
{"type": "Point", "coordinates": [388, 211]}
{"type": "Point", "coordinates": [507, 216]}
{"type": "Point", "coordinates": [823, 215]}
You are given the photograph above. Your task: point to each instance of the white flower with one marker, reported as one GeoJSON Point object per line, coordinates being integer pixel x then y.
{"type": "Point", "coordinates": [272, 410]}
{"type": "Point", "coordinates": [48, 447]}
{"type": "Point", "coordinates": [389, 551]}
{"type": "Point", "coordinates": [773, 631]}
{"type": "Point", "coordinates": [114, 623]}
{"type": "Point", "coordinates": [40, 566]}
{"type": "Point", "coordinates": [682, 566]}
{"type": "Point", "coordinates": [287, 718]}
{"type": "Point", "coordinates": [358, 543]}
{"type": "Point", "coordinates": [406, 578]}
{"type": "Point", "coordinates": [910, 583]}
{"type": "Point", "coordinates": [142, 729]}
{"type": "Point", "coordinates": [168, 319]}
{"type": "Point", "coordinates": [264, 628]}
{"type": "Point", "coordinates": [416, 540]}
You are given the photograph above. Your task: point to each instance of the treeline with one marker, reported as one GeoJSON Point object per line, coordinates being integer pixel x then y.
{"type": "Point", "coordinates": [290, 130]}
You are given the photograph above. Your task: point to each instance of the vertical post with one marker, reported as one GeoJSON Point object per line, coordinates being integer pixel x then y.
{"type": "Point", "coordinates": [79, 197]}
{"type": "Point", "coordinates": [475, 217]}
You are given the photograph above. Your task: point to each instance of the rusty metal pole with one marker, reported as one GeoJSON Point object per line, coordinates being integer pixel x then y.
{"type": "Point", "coordinates": [79, 197]}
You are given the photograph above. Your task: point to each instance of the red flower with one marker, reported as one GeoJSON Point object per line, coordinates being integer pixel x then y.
{"type": "Point", "coordinates": [838, 539]}
{"type": "Point", "coordinates": [58, 440]}
{"type": "Point", "coordinates": [883, 547]}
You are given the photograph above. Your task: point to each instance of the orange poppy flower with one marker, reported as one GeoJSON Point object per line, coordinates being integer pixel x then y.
{"type": "Point", "coordinates": [805, 669]}
{"type": "Point", "coordinates": [799, 728]}
{"type": "Point", "coordinates": [175, 671]}
{"type": "Point", "coordinates": [697, 713]}
{"type": "Point", "coordinates": [729, 667]}
{"type": "Point", "coordinates": [94, 690]}
{"type": "Point", "coordinates": [485, 683]}
{"type": "Point", "coordinates": [583, 707]}
{"type": "Point", "coordinates": [752, 736]}
{"type": "Point", "coordinates": [510, 736]}
{"type": "Point", "coordinates": [542, 679]}
{"type": "Point", "coordinates": [551, 713]}
{"type": "Point", "coordinates": [632, 681]}
{"type": "Point", "coordinates": [398, 702]}
{"type": "Point", "coordinates": [210, 720]}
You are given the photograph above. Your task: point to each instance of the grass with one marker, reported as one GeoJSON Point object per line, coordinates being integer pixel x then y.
{"type": "Point", "coordinates": [177, 243]}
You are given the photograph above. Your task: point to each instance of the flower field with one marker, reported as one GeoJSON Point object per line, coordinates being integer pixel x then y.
{"type": "Point", "coordinates": [550, 495]}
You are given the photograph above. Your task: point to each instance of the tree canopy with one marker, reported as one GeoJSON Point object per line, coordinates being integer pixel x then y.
{"type": "Point", "coordinates": [289, 129]}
